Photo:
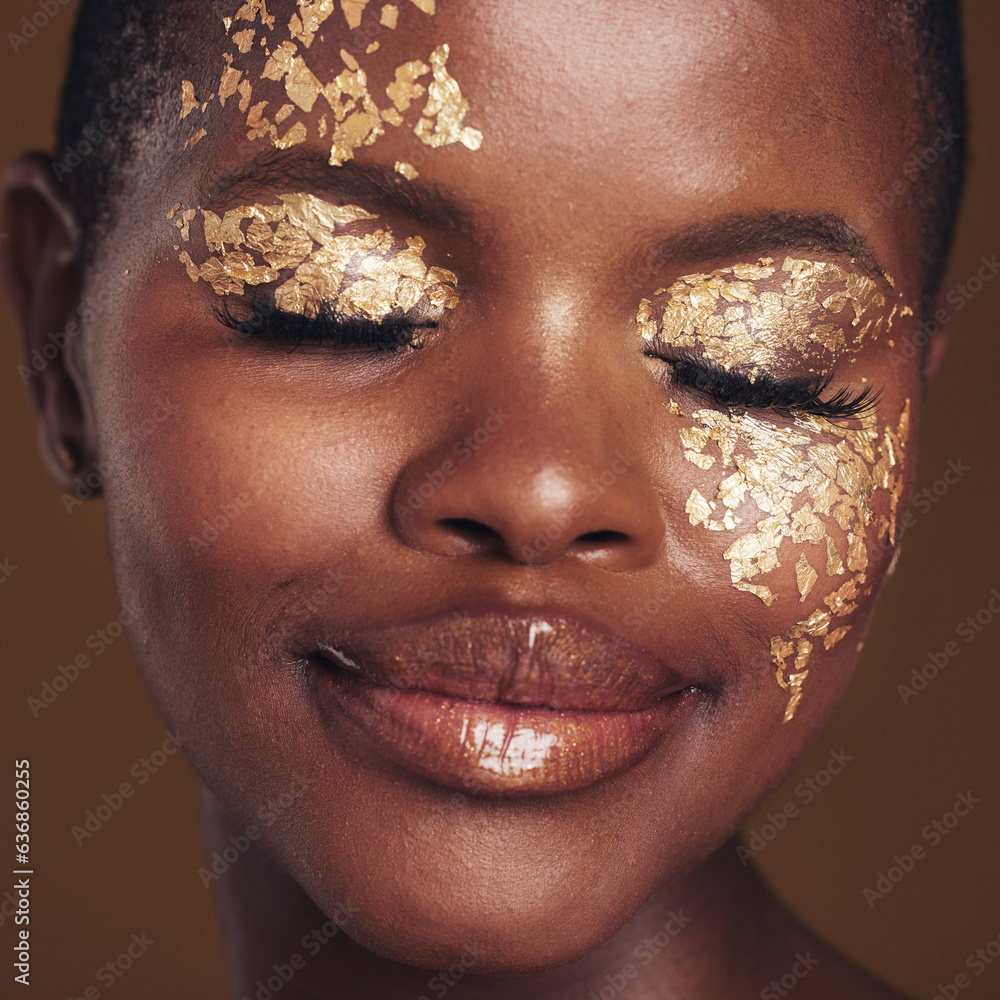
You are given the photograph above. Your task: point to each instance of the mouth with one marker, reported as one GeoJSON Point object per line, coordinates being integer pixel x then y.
{"type": "Point", "coordinates": [504, 705]}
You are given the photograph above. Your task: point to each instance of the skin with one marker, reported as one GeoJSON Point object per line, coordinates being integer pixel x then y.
{"type": "Point", "coordinates": [594, 151]}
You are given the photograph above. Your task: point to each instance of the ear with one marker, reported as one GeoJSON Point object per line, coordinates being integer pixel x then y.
{"type": "Point", "coordinates": [939, 342]}
{"type": "Point", "coordinates": [42, 273]}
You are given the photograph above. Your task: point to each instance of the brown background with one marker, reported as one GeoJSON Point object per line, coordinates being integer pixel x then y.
{"type": "Point", "coordinates": [138, 874]}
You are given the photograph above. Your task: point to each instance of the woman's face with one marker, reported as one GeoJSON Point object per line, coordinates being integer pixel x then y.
{"type": "Point", "coordinates": [532, 617]}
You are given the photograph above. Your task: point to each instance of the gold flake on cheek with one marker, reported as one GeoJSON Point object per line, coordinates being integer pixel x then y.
{"type": "Point", "coordinates": [357, 273]}
{"type": "Point", "coordinates": [801, 482]}
{"type": "Point", "coordinates": [805, 576]}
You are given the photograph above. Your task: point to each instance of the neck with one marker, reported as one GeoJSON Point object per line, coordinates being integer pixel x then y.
{"type": "Point", "coordinates": [715, 932]}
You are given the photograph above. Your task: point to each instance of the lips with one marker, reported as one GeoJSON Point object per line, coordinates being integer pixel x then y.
{"type": "Point", "coordinates": [495, 704]}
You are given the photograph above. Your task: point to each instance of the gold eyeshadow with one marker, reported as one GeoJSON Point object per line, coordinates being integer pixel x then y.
{"type": "Point", "coordinates": [810, 482]}
{"type": "Point", "coordinates": [748, 315]}
{"type": "Point", "coordinates": [338, 254]}
{"type": "Point", "coordinates": [353, 116]}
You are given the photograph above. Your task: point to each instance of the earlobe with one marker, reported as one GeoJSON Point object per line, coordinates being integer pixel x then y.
{"type": "Point", "coordinates": [41, 271]}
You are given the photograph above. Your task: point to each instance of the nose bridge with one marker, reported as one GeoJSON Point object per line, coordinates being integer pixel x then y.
{"type": "Point", "coordinates": [543, 462]}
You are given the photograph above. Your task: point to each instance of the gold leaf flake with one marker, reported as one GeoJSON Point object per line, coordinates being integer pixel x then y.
{"type": "Point", "coordinates": [805, 577]}
{"type": "Point", "coordinates": [245, 90]}
{"type": "Point", "coordinates": [698, 508]}
{"type": "Point", "coordinates": [408, 170]}
{"type": "Point", "coordinates": [188, 101]}
{"type": "Point", "coordinates": [427, 6]}
{"type": "Point", "coordinates": [834, 565]}
{"type": "Point", "coordinates": [835, 636]}
{"type": "Point", "coordinates": [764, 593]}
{"type": "Point", "coordinates": [445, 109]}
{"type": "Point", "coordinates": [302, 85]}
{"type": "Point", "coordinates": [404, 89]}
{"type": "Point", "coordinates": [228, 82]}
{"type": "Point", "coordinates": [244, 39]}
{"type": "Point", "coordinates": [353, 11]}
{"type": "Point", "coordinates": [296, 134]}
{"type": "Point", "coordinates": [389, 16]}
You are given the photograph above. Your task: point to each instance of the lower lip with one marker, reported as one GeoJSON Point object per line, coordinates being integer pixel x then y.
{"type": "Point", "coordinates": [499, 749]}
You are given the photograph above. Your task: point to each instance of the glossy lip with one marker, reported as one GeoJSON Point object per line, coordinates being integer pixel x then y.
{"type": "Point", "coordinates": [504, 704]}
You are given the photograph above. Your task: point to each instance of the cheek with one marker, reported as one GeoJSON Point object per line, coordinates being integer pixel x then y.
{"type": "Point", "coordinates": [805, 519]}
{"type": "Point", "coordinates": [249, 484]}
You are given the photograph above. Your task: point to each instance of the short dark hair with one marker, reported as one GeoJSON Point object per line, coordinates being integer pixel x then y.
{"type": "Point", "coordinates": [128, 49]}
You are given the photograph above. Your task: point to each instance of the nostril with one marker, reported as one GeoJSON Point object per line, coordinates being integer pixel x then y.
{"type": "Point", "coordinates": [471, 530]}
{"type": "Point", "coordinates": [602, 537]}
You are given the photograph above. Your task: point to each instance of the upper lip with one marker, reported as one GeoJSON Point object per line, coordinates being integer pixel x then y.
{"type": "Point", "coordinates": [553, 661]}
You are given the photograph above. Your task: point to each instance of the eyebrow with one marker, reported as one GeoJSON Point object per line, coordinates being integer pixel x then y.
{"type": "Point", "coordinates": [738, 236]}
{"type": "Point", "coordinates": [761, 234]}
{"type": "Point", "coordinates": [299, 169]}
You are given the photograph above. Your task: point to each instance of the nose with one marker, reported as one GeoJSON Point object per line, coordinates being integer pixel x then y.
{"type": "Point", "coordinates": [533, 474]}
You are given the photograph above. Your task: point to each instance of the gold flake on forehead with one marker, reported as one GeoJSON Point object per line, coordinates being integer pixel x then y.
{"type": "Point", "coordinates": [336, 253]}
{"type": "Point", "coordinates": [795, 482]}
{"type": "Point", "coordinates": [358, 116]}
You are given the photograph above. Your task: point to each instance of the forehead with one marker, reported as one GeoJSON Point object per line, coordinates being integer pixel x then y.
{"type": "Point", "coordinates": [656, 112]}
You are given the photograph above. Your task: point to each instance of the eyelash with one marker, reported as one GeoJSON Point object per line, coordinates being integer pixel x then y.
{"type": "Point", "coordinates": [790, 395]}
{"type": "Point", "coordinates": [328, 327]}
{"type": "Point", "coordinates": [721, 385]}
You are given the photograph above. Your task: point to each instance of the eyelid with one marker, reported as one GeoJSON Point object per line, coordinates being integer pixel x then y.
{"type": "Point", "coordinates": [765, 391]}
